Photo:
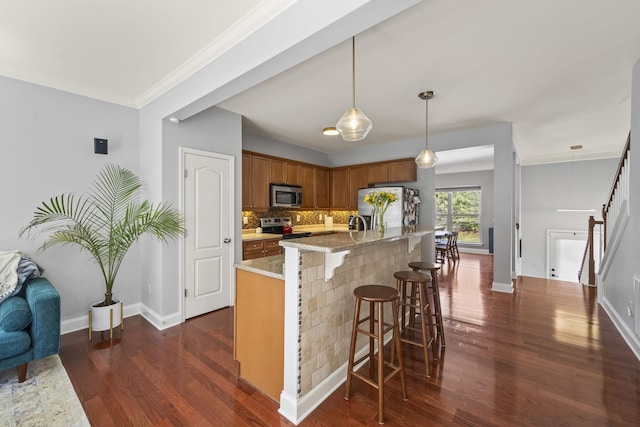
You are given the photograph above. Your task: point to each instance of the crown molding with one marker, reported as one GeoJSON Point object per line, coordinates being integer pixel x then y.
{"type": "Point", "coordinates": [562, 158]}
{"type": "Point", "coordinates": [65, 86]}
{"type": "Point", "coordinates": [256, 18]}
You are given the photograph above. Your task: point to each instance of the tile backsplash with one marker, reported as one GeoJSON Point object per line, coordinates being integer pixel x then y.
{"type": "Point", "coordinates": [306, 217]}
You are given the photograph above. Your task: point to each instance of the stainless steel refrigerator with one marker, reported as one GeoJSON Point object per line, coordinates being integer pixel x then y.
{"type": "Point", "coordinates": [404, 211]}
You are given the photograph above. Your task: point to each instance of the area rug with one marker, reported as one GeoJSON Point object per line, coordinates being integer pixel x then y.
{"type": "Point", "coordinates": [46, 398]}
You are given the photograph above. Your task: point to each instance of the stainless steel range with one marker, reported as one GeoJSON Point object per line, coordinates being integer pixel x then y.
{"type": "Point", "coordinates": [282, 226]}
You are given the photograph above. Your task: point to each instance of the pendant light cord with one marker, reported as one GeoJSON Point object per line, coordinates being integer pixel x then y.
{"type": "Point", "coordinates": [353, 70]}
{"type": "Point", "coordinates": [426, 123]}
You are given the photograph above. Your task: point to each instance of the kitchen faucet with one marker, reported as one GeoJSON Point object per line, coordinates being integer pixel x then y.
{"type": "Point", "coordinates": [353, 219]}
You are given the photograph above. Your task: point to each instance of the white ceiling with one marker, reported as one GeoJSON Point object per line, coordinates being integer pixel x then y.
{"type": "Point", "coordinates": [560, 71]}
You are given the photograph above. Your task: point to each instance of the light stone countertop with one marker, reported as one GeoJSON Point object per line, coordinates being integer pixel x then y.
{"type": "Point", "coordinates": [338, 242]}
{"type": "Point", "coordinates": [271, 266]}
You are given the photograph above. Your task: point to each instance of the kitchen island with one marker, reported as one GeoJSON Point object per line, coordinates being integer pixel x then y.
{"type": "Point", "coordinates": [319, 274]}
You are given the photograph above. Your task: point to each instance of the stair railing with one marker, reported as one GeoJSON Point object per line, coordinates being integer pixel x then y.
{"type": "Point", "coordinates": [619, 194]}
{"type": "Point", "coordinates": [589, 257]}
{"type": "Point", "coordinates": [615, 213]}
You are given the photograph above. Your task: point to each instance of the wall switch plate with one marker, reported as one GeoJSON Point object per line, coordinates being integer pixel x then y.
{"type": "Point", "coordinates": [297, 218]}
{"type": "Point", "coordinates": [320, 217]}
{"type": "Point", "coordinates": [245, 220]}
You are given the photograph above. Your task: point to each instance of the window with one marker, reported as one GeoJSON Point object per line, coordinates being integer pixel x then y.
{"type": "Point", "coordinates": [459, 209]}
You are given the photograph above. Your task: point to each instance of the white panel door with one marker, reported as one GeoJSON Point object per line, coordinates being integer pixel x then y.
{"type": "Point", "coordinates": [208, 247]}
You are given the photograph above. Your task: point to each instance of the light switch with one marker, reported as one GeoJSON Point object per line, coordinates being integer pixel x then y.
{"type": "Point", "coordinates": [245, 220]}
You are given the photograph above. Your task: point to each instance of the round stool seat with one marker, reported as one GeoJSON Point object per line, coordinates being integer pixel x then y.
{"type": "Point", "coordinates": [425, 265]}
{"type": "Point", "coordinates": [412, 276]}
{"type": "Point", "coordinates": [376, 293]}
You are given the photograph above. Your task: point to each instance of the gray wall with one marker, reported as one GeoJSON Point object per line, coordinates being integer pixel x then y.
{"type": "Point", "coordinates": [617, 290]}
{"type": "Point", "coordinates": [485, 180]}
{"type": "Point", "coordinates": [47, 149]}
{"type": "Point", "coordinates": [264, 145]}
{"type": "Point", "coordinates": [548, 187]}
{"type": "Point", "coordinates": [215, 130]}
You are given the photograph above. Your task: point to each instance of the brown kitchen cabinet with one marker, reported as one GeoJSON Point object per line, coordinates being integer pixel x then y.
{"type": "Point", "coordinates": [402, 170]}
{"type": "Point", "coordinates": [260, 248]}
{"type": "Point", "coordinates": [322, 188]}
{"type": "Point", "coordinates": [256, 175]}
{"type": "Point", "coordinates": [358, 178]}
{"type": "Point", "coordinates": [284, 172]}
{"type": "Point", "coordinates": [339, 188]}
{"type": "Point", "coordinates": [307, 178]}
{"type": "Point", "coordinates": [315, 186]}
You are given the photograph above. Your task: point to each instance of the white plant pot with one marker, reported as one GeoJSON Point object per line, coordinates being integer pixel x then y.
{"type": "Point", "coordinates": [101, 319]}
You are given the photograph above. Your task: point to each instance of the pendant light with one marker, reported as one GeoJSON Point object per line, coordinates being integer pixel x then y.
{"type": "Point", "coordinates": [427, 158]}
{"type": "Point", "coordinates": [354, 125]}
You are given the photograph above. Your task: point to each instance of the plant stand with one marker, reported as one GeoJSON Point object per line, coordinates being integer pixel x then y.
{"type": "Point", "coordinates": [111, 325]}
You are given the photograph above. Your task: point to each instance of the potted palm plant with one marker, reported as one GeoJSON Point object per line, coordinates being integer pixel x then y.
{"type": "Point", "coordinates": [105, 222]}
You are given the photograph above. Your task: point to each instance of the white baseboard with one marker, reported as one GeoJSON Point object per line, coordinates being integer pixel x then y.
{"type": "Point", "coordinates": [159, 322]}
{"type": "Point", "coordinates": [627, 333]}
{"type": "Point", "coordinates": [297, 410]}
{"type": "Point", "coordinates": [468, 250]}
{"type": "Point", "coordinates": [82, 322]}
{"type": "Point", "coordinates": [502, 287]}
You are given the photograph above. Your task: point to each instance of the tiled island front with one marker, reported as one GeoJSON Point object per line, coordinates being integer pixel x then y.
{"type": "Point", "coordinates": [320, 275]}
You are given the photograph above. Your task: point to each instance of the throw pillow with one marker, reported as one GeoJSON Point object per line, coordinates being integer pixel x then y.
{"type": "Point", "coordinates": [15, 314]}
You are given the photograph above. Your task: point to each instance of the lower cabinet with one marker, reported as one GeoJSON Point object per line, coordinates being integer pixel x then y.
{"type": "Point", "coordinates": [259, 331]}
{"type": "Point", "coordinates": [260, 248]}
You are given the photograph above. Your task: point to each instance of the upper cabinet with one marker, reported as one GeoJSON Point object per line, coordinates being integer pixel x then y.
{"type": "Point", "coordinates": [322, 187]}
{"type": "Point", "coordinates": [345, 183]}
{"type": "Point", "coordinates": [315, 186]}
{"type": "Point", "coordinates": [403, 170]}
{"type": "Point", "coordinates": [284, 172]}
{"type": "Point", "coordinates": [322, 181]}
{"type": "Point", "coordinates": [256, 175]}
{"type": "Point", "coordinates": [358, 178]}
{"type": "Point", "coordinates": [339, 188]}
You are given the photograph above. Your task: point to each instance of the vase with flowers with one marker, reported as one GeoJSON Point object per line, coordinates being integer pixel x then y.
{"type": "Point", "coordinates": [380, 201]}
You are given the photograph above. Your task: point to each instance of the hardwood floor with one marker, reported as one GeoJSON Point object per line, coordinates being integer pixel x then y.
{"type": "Point", "coordinates": [546, 355]}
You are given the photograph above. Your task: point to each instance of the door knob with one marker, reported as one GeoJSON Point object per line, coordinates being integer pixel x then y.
{"type": "Point", "coordinates": [227, 240]}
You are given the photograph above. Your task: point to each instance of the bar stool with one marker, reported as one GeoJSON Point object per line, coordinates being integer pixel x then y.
{"type": "Point", "coordinates": [376, 296]}
{"type": "Point", "coordinates": [419, 305]}
{"type": "Point", "coordinates": [435, 292]}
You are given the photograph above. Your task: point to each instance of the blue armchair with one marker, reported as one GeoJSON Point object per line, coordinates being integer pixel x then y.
{"type": "Point", "coordinates": [29, 326]}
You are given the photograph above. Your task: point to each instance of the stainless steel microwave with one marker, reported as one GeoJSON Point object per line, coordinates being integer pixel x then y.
{"type": "Point", "coordinates": [286, 196]}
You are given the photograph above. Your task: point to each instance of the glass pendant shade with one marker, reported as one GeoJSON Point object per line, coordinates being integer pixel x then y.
{"type": "Point", "coordinates": [354, 125]}
{"type": "Point", "coordinates": [426, 159]}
